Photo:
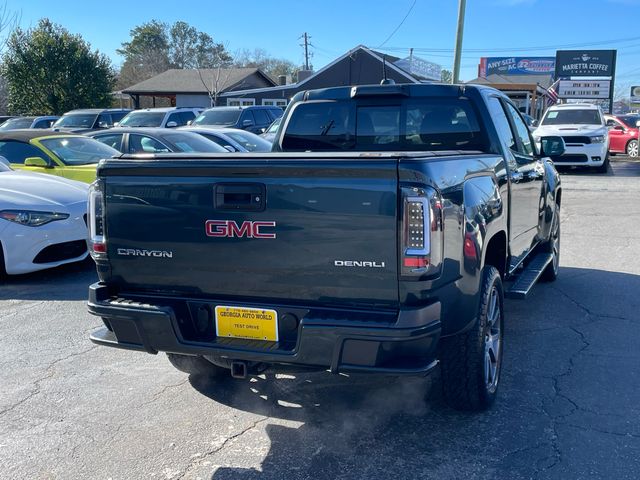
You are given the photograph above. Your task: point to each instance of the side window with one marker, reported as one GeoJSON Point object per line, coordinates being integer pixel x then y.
{"type": "Point", "coordinates": [186, 117]}
{"type": "Point", "coordinates": [104, 120]}
{"type": "Point", "coordinates": [113, 140]}
{"type": "Point", "coordinates": [526, 146]}
{"type": "Point", "coordinates": [17, 152]}
{"type": "Point", "coordinates": [262, 117]}
{"type": "Point", "coordinates": [117, 116]}
{"type": "Point", "coordinates": [247, 115]}
{"type": "Point", "coordinates": [502, 123]}
{"type": "Point", "coordinates": [174, 117]}
{"type": "Point", "coordinates": [144, 144]}
{"type": "Point", "coordinates": [43, 124]}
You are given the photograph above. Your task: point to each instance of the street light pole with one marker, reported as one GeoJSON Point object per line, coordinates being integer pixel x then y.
{"type": "Point", "coordinates": [455, 78]}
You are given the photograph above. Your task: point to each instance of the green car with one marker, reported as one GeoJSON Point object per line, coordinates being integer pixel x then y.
{"type": "Point", "coordinates": [63, 154]}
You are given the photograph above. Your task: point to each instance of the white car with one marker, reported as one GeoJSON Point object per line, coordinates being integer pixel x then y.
{"type": "Point", "coordinates": [163, 117]}
{"type": "Point", "coordinates": [42, 221]}
{"type": "Point", "coordinates": [233, 139]}
{"type": "Point", "coordinates": [584, 132]}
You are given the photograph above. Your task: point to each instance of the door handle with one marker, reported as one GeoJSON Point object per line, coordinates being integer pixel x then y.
{"type": "Point", "coordinates": [248, 197]}
{"type": "Point", "coordinates": [516, 177]}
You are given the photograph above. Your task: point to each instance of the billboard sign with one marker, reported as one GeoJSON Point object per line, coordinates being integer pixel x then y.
{"type": "Point", "coordinates": [596, 89]}
{"type": "Point", "coordinates": [635, 94]}
{"type": "Point", "coordinates": [585, 63]}
{"type": "Point", "coordinates": [516, 66]}
{"type": "Point", "coordinates": [420, 68]}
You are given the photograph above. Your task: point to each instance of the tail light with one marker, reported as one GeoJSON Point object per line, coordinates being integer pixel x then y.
{"type": "Point", "coordinates": [421, 250]}
{"type": "Point", "coordinates": [95, 221]}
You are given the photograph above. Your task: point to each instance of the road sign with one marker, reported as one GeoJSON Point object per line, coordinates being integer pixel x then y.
{"type": "Point", "coordinates": [584, 89]}
{"type": "Point", "coordinates": [635, 95]}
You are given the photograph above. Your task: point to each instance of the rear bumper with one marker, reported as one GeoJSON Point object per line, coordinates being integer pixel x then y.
{"type": "Point", "coordinates": [405, 347]}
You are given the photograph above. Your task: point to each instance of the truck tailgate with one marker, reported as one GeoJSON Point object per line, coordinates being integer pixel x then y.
{"type": "Point", "coordinates": [306, 230]}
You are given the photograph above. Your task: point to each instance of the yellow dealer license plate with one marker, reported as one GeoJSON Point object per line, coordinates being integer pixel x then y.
{"type": "Point", "coordinates": [244, 322]}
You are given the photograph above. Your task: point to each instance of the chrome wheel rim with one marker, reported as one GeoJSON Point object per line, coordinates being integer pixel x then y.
{"type": "Point", "coordinates": [492, 342]}
{"type": "Point", "coordinates": [633, 149]}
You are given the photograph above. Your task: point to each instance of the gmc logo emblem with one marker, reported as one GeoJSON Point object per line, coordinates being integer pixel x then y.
{"type": "Point", "coordinates": [229, 228]}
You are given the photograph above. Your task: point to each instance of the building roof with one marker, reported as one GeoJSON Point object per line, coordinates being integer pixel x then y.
{"type": "Point", "coordinates": [298, 85]}
{"type": "Point", "coordinates": [193, 81]}
{"type": "Point", "coordinates": [544, 81]}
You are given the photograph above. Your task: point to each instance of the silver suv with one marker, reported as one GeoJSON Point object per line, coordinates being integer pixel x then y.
{"type": "Point", "coordinates": [168, 117]}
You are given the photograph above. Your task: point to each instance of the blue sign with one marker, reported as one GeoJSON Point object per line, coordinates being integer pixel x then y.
{"type": "Point", "coordinates": [516, 66]}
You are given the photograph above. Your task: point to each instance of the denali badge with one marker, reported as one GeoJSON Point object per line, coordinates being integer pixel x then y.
{"type": "Point", "coordinates": [229, 228]}
{"type": "Point", "coordinates": [134, 252]}
{"type": "Point", "coordinates": [357, 263]}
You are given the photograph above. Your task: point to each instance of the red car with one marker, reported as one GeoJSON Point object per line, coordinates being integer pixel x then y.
{"type": "Point", "coordinates": [623, 134]}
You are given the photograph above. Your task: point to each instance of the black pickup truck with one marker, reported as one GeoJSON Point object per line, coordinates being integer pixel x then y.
{"type": "Point", "coordinates": [375, 238]}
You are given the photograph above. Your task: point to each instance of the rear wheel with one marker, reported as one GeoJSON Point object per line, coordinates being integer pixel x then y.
{"type": "Point", "coordinates": [471, 361]}
{"type": "Point", "coordinates": [632, 148]}
{"type": "Point", "coordinates": [197, 366]}
{"type": "Point", "coordinates": [552, 246]}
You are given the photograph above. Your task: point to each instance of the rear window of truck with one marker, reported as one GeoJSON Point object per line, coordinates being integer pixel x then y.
{"type": "Point", "coordinates": [406, 125]}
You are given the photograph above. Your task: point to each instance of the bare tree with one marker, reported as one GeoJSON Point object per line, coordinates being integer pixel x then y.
{"type": "Point", "coordinates": [218, 82]}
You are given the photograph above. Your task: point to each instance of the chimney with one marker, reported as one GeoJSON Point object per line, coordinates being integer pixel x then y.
{"type": "Point", "coordinates": [304, 74]}
{"type": "Point", "coordinates": [282, 79]}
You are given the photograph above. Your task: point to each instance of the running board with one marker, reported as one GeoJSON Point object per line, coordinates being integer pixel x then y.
{"type": "Point", "coordinates": [523, 284]}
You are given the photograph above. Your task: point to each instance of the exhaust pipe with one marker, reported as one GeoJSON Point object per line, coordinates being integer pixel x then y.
{"type": "Point", "coordinates": [239, 369]}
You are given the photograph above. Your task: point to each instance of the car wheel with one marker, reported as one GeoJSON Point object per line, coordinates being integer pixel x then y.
{"type": "Point", "coordinates": [552, 246]}
{"type": "Point", "coordinates": [471, 361]}
{"type": "Point", "coordinates": [3, 269]}
{"type": "Point", "coordinates": [197, 366]}
{"type": "Point", "coordinates": [632, 148]}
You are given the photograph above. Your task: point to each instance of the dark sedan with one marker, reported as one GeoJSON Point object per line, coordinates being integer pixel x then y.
{"type": "Point", "coordinates": [155, 140]}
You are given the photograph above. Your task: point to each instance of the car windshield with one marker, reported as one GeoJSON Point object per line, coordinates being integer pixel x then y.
{"type": "Point", "coordinates": [191, 142]}
{"type": "Point", "coordinates": [251, 142]}
{"type": "Point", "coordinates": [142, 119]}
{"type": "Point", "coordinates": [218, 117]}
{"type": "Point", "coordinates": [76, 120]}
{"type": "Point", "coordinates": [78, 150]}
{"type": "Point", "coordinates": [16, 123]}
{"type": "Point", "coordinates": [572, 117]}
{"type": "Point", "coordinates": [629, 120]}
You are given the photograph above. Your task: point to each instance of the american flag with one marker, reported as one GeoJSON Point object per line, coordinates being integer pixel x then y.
{"type": "Point", "coordinates": [552, 97]}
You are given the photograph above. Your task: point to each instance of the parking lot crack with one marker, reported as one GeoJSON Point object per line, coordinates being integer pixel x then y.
{"type": "Point", "coordinates": [162, 391]}
{"type": "Point", "coordinates": [49, 372]}
{"type": "Point", "coordinates": [585, 309]}
{"type": "Point", "coordinates": [202, 457]}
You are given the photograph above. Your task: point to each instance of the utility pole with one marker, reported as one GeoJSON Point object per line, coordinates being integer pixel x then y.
{"type": "Point", "coordinates": [455, 78]}
{"type": "Point", "coordinates": [306, 50]}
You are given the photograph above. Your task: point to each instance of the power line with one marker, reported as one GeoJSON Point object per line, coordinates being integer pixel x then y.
{"type": "Point", "coordinates": [515, 49]}
{"type": "Point", "coordinates": [400, 24]}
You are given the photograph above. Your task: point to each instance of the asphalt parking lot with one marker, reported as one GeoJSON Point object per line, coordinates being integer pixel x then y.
{"type": "Point", "coordinates": [568, 405]}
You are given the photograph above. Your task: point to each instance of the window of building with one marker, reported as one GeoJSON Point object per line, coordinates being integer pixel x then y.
{"type": "Point", "coordinates": [275, 102]}
{"type": "Point", "coordinates": [241, 102]}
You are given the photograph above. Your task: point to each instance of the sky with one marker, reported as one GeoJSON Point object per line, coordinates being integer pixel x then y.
{"type": "Point", "coordinates": [492, 27]}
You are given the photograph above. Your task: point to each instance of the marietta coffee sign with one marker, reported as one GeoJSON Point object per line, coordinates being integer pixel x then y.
{"type": "Point", "coordinates": [585, 63]}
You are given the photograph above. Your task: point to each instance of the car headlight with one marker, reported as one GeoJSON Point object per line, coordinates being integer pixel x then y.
{"type": "Point", "coordinates": [32, 218]}
{"type": "Point", "coordinates": [597, 139]}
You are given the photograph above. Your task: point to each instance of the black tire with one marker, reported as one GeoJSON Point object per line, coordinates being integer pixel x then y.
{"type": "Point", "coordinates": [197, 366]}
{"type": "Point", "coordinates": [604, 168]}
{"type": "Point", "coordinates": [468, 382]}
{"type": "Point", "coordinates": [552, 246]}
{"type": "Point", "coordinates": [3, 270]}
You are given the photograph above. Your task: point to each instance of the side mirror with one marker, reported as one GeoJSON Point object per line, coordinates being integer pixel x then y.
{"type": "Point", "coordinates": [116, 124]}
{"type": "Point", "coordinates": [103, 125]}
{"type": "Point", "coordinates": [262, 130]}
{"type": "Point", "coordinates": [189, 122]}
{"type": "Point", "coordinates": [172, 124]}
{"type": "Point", "coordinates": [247, 123]}
{"type": "Point", "coordinates": [36, 162]}
{"type": "Point", "coordinates": [552, 146]}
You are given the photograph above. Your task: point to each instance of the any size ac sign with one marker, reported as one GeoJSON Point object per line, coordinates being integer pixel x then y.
{"type": "Point", "coordinates": [584, 89]}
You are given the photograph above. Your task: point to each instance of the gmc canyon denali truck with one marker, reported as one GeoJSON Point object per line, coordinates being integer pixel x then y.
{"type": "Point", "coordinates": [375, 238]}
